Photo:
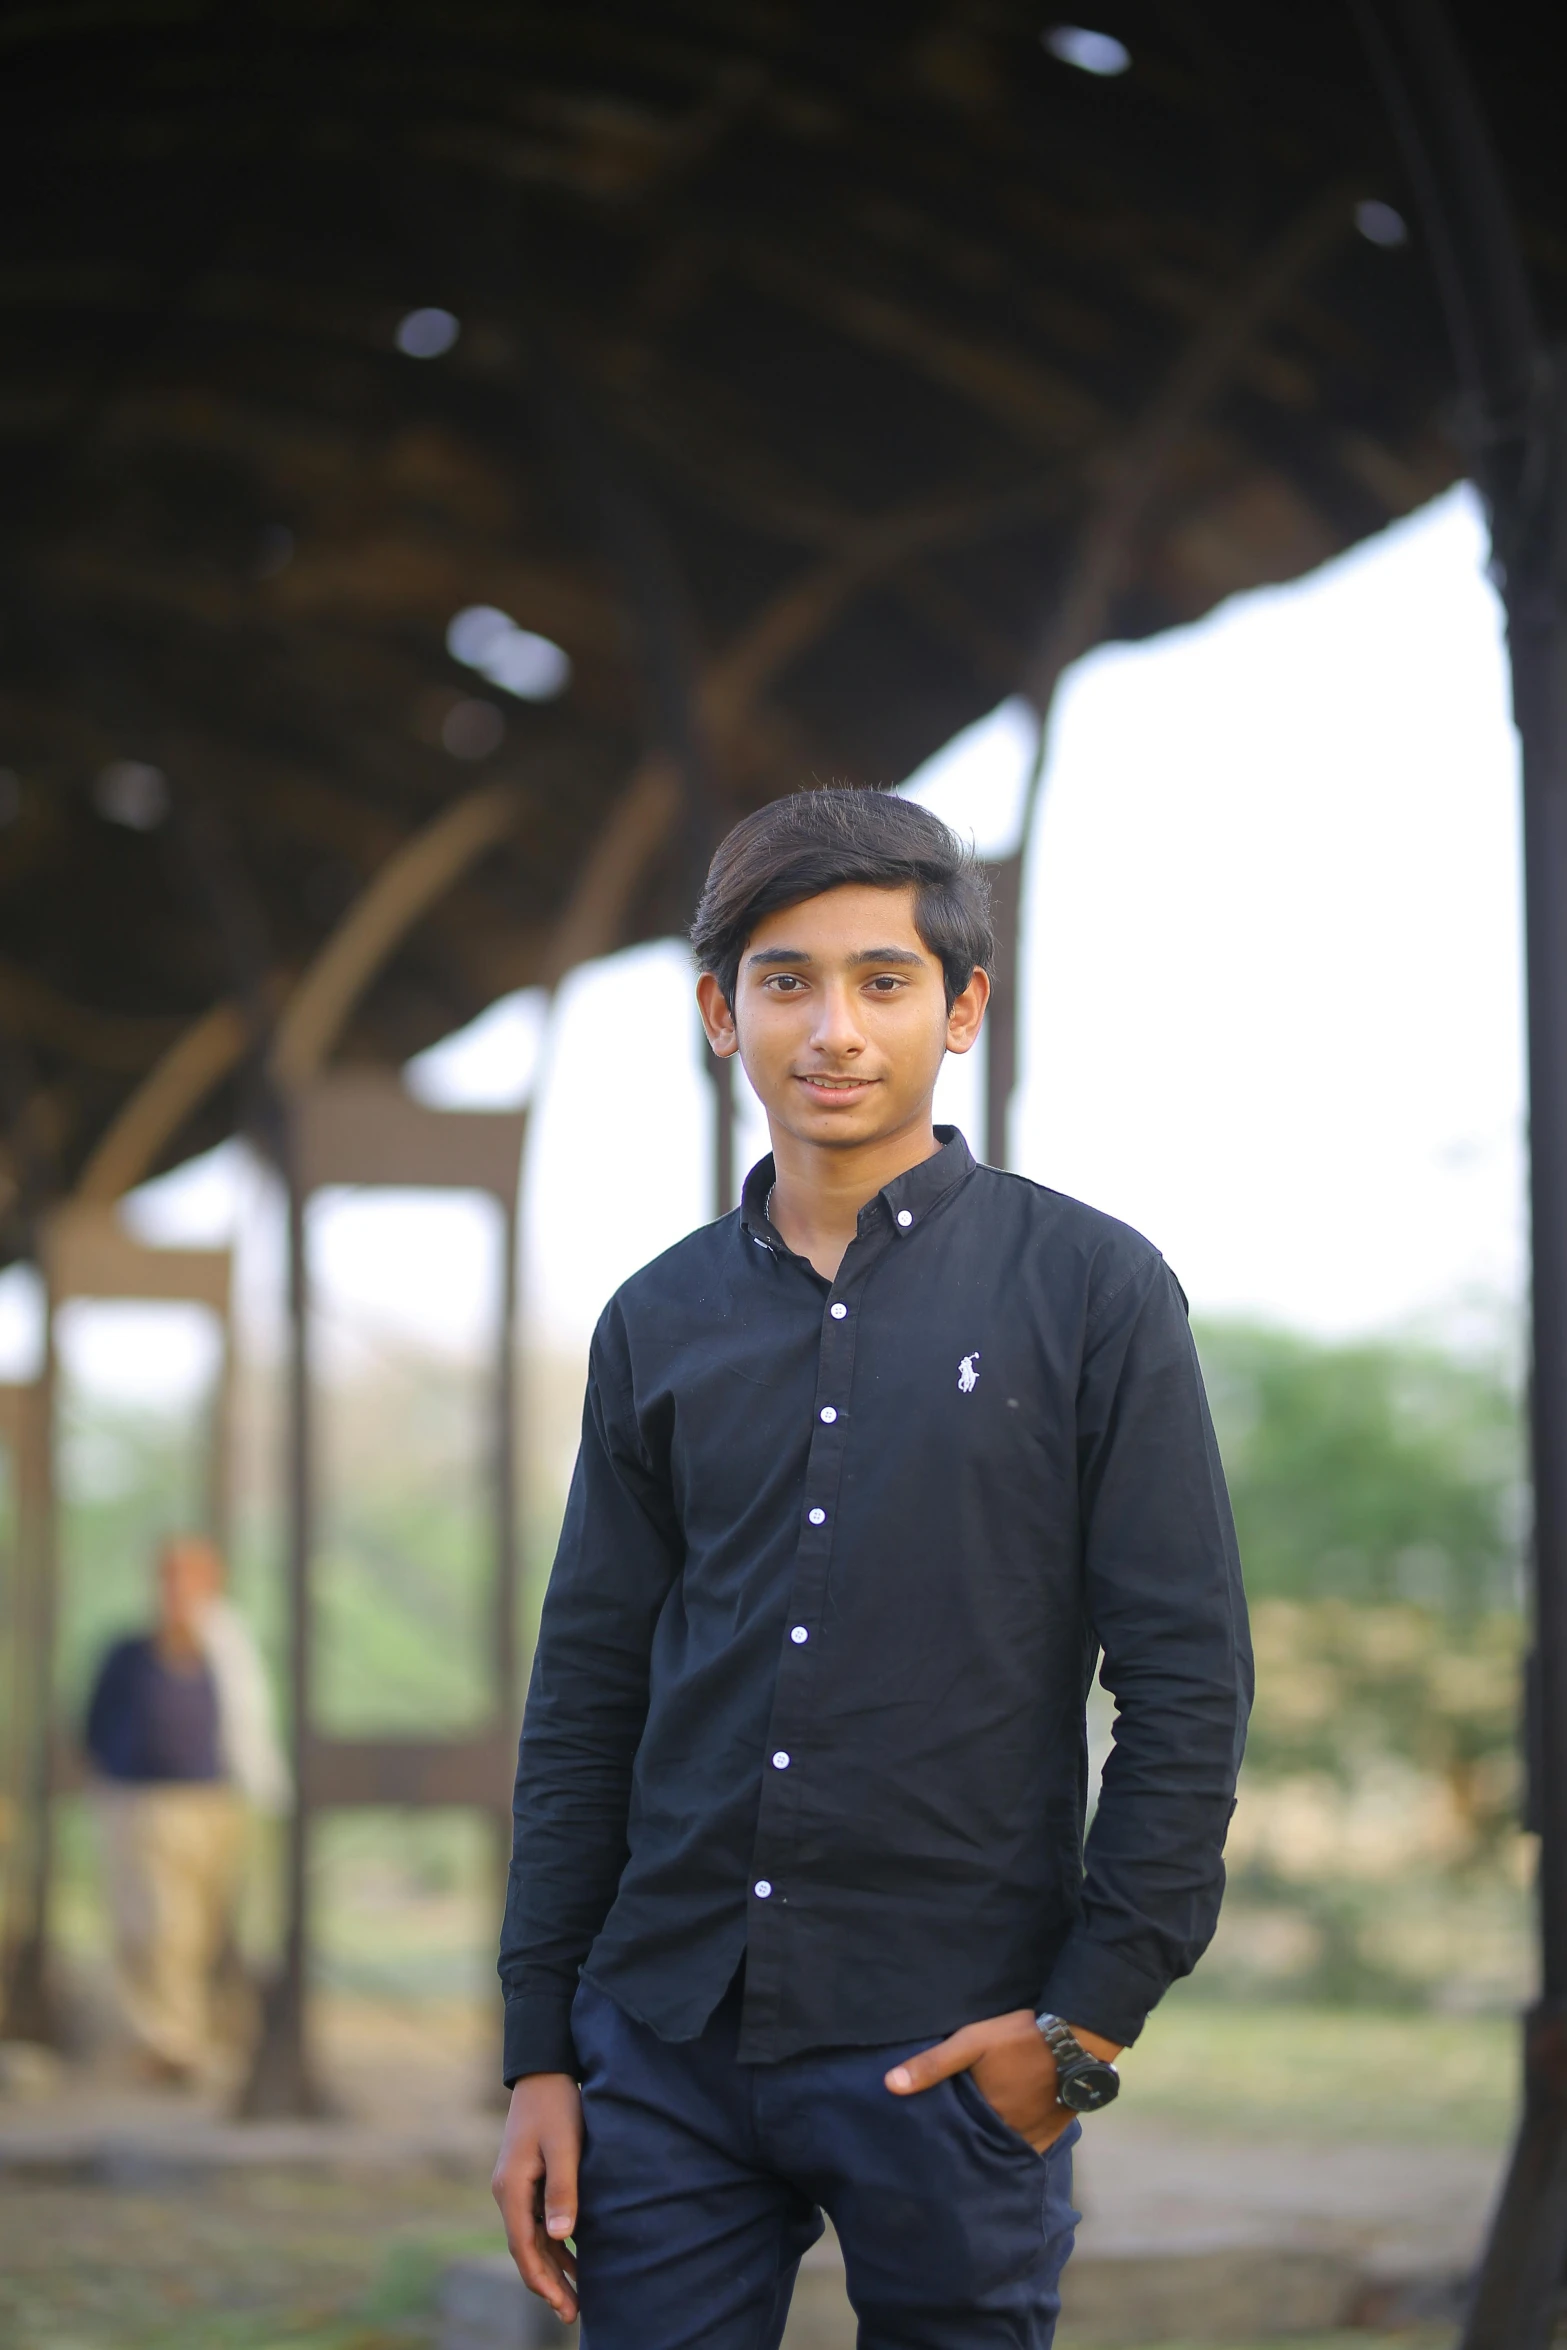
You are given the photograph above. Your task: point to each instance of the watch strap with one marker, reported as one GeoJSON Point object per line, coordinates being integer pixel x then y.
{"type": "Point", "coordinates": [1062, 2042]}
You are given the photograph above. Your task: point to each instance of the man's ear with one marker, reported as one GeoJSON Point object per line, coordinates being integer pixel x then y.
{"type": "Point", "coordinates": [717, 1018]}
{"type": "Point", "coordinates": [967, 1015]}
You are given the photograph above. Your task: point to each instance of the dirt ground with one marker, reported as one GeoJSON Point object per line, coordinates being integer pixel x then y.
{"type": "Point", "coordinates": [121, 2246]}
{"type": "Point", "coordinates": [120, 2249]}
{"type": "Point", "coordinates": [273, 2261]}
{"type": "Point", "coordinates": [237, 2262]}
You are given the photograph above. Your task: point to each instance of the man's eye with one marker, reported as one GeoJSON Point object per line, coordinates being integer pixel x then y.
{"type": "Point", "coordinates": [784, 982]}
{"type": "Point", "coordinates": [886, 983]}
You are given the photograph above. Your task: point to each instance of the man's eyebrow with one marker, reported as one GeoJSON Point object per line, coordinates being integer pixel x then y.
{"type": "Point", "coordinates": [865, 955]}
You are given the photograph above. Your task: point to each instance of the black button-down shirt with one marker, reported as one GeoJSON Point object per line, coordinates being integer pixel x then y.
{"type": "Point", "coordinates": [835, 1571]}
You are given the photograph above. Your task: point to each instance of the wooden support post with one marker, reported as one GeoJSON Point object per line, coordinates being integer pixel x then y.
{"type": "Point", "coordinates": [721, 1072]}
{"type": "Point", "coordinates": [1516, 418]}
{"type": "Point", "coordinates": [218, 1496]}
{"type": "Point", "coordinates": [29, 1998]}
{"type": "Point", "coordinates": [282, 2077]}
{"type": "Point", "coordinates": [505, 1694]}
{"type": "Point", "coordinates": [1001, 1021]}
{"type": "Point", "coordinates": [1520, 2291]}
{"type": "Point", "coordinates": [365, 1130]}
{"type": "Point", "coordinates": [18, 1404]}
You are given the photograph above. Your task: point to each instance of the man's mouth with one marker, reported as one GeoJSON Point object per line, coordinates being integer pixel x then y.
{"type": "Point", "coordinates": [836, 1085]}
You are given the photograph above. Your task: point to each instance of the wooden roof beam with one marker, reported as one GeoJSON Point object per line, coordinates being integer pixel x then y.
{"type": "Point", "coordinates": [1202, 369]}
{"type": "Point", "coordinates": [796, 618]}
{"type": "Point", "coordinates": [118, 1042]}
{"type": "Point", "coordinates": [1041, 408]}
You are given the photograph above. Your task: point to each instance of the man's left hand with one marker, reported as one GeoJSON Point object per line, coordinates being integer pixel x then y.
{"type": "Point", "coordinates": [1013, 2071]}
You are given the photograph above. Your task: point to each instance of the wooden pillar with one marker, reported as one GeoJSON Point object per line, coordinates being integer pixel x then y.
{"type": "Point", "coordinates": [1525, 2265]}
{"type": "Point", "coordinates": [721, 1073]}
{"type": "Point", "coordinates": [282, 2076]}
{"type": "Point", "coordinates": [505, 1693]}
{"type": "Point", "coordinates": [29, 2002]}
{"type": "Point", "coordinates": [362, 1128]}
{"type": "Point", "coordinates": [1516, 417]}
{"type": "Point", "coordinates": [1001, 1021]}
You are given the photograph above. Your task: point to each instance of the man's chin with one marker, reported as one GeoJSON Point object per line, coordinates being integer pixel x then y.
{"type": "Point", "coordinates": [845, 1126]}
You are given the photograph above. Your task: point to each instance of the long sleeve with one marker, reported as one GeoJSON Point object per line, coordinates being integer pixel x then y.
{"type": "Point", "coordinates": [110, 1730]}
{"type": "Point", "coordinates": [1163, 1593]}
{"type": "Point", "coordinates": [247, 1726]}
{"type": "Point", "coordinates": [587, 1705]}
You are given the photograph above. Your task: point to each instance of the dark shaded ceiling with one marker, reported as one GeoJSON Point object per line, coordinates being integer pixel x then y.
{"type": "Point", "coordinates": [800, 346]}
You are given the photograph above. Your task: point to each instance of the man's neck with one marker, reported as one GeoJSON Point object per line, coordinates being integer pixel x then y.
{"type": "Point", "coordinates": [178, 1647]}
{"type": "Point", "coordinates": [819, 1193]}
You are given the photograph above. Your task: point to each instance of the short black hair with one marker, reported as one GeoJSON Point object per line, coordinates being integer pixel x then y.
{"type": "Point", "coordinates": [811, 841]}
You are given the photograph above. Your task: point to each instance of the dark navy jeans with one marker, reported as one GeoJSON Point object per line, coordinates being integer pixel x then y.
{"type": "Point", "coordinates": [704, 2180]}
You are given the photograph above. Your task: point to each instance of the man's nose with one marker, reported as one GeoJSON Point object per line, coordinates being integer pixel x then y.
{"type": "Point", "coordinates": [836, 1029]}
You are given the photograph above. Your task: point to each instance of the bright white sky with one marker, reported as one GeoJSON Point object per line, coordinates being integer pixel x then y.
{"type": "Point", "coordinates": [1272, 1003]}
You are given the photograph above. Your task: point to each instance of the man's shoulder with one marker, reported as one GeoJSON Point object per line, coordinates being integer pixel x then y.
{"type": "Point", "coordinates": [130, 1653]}
{"type": "Point", "coordinates": [1109, 1253]}
{"type": "Point", "coordinates": [123, 1667]}
{"type": "Point", "coordinates": [692, 1267]}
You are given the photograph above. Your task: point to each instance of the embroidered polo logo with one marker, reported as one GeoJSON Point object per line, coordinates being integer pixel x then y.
{"type": "Point", "coordinates": [968, 1373]}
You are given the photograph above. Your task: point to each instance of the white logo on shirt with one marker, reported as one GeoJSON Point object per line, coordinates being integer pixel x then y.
{"type": "Point", "coordinates": [968, 1373]}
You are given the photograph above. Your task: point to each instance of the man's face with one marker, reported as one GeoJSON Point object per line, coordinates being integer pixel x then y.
{"type": "Point", "coordinates": [190, 1576]}
{"type": "Point", "coordinates": [841, 1015]}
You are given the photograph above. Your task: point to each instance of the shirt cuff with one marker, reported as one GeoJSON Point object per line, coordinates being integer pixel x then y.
{"type": "Point", "coordinates": [1093, 1985]}
{"type": "Point", "coordinates": [537, 2036]}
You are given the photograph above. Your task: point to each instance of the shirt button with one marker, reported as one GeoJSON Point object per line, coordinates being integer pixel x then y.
{"type": "Point", "coordinates": [761, 1889]}
{"type": "Point", "coordinates": [828, 1414]}
{"type": "Point", "coordinates": [904, 1218]}
{"type": "Point", "coordinates": [817, 1517]}
{"type": "Point", "coordinates": [837, 1312]}
{"type": "Point", "coordinates": [799, 1636]}
{"type": "Point", "coordinates": [780, 1760]}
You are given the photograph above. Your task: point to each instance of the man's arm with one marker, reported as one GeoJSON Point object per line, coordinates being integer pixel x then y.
{"type": "Point", "coordinates": [1163, 1589]}
{"type": "Point", "coordinates": [108, 1730]}
{"type": "Point", "coordinates": [587, 1705]}
{"type": "Point", "coordinates": [1164, 1593]}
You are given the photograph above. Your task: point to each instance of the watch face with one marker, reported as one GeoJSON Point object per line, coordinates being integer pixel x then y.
{"type": "Point", "coordinates": [1089, 2085]}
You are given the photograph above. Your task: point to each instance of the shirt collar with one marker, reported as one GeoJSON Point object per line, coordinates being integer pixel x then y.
{"type": "Point", "coordinates": [913, 1195]}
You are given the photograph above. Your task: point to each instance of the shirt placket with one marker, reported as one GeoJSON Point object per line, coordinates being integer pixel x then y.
{"type": "Point", "coordinates": [772, 1896]}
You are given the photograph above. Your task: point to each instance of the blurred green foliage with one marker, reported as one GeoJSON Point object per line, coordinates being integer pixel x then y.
{"type": "Point", "coordinates": [1379, 1497]}
{"type": "Point", "coordinates": [1369, 1472]}
{"type": "Point", "coordinates": [406, 1549]}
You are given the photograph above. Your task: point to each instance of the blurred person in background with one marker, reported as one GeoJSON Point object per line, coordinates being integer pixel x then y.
{"type": "Point", "coordinates": [181, 1737]}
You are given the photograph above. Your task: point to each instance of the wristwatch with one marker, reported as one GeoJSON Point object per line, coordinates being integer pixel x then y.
{"type": "Point", "coordinates": [1084, 2083]}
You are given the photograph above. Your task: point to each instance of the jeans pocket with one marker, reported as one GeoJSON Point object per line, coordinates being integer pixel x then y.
{"type": "Point", "coordinates": [973, 2099]}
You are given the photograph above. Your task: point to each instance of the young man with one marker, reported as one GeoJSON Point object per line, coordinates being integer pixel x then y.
{"type": "Point", "coordinates": [871, 1471]}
